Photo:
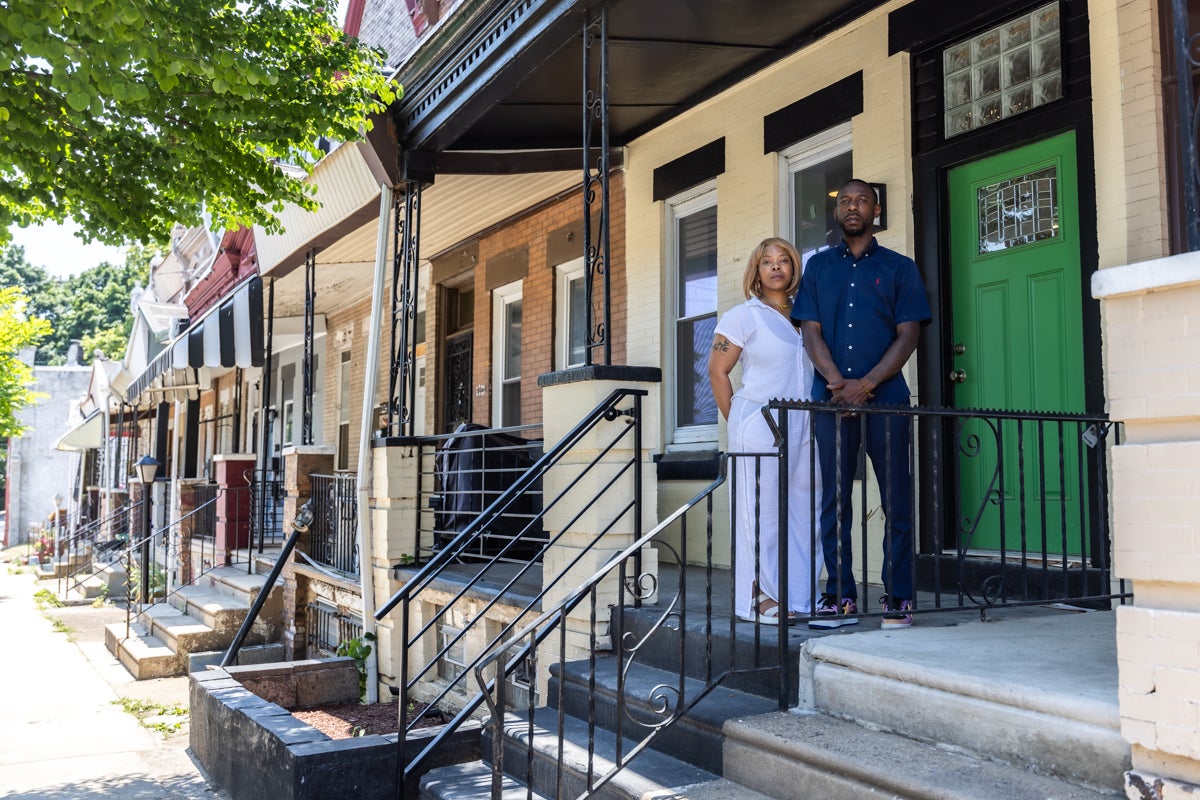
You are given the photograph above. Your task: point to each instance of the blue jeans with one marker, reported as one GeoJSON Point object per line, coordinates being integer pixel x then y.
{"type": "Point", "coordinates": [887, 438]}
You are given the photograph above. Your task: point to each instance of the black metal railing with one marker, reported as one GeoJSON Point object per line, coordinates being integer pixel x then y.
{"type": "Point", "coordinates": [186, 549]}
{"type": "Point", "coordinates": [328, 628]}
{"type": "Point", "coordinates": [94, 545]}
{"type": "Point", "coordinates": [266, 507]}
{"type": "Point", "coordinates": [614, 423]}
{"type": "Point", "coordinates": [585, 625]}
{"type": "Point", "coordinates": [461, 474]}
{"type": "Point", "coordinates": [333, 539]}
{"type": "Point", "coordinates": [1008, 508]}
{"type": "Point", "coordinates": [1011, 509]}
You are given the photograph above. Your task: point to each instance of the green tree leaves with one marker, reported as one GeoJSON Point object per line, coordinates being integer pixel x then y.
{"type": "Point", "coordinates": [133, 115]}
{"type": "Point", "coordinates": [18, 330]}
{"type": "Point", "coordinates": [92, 306]}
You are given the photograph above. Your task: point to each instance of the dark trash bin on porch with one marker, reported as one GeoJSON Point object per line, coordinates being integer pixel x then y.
{"type": "Point", "coordinates": [473, 468]}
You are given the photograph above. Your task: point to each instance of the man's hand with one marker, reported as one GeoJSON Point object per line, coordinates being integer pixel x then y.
{"type": "Point", "coordinates": [849, 392]}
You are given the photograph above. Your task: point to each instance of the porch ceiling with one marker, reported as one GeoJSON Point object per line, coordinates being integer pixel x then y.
{"type": "Point", "coordinates": [453, 209]}
{"type": "Point", "coordinates": [524, 88]}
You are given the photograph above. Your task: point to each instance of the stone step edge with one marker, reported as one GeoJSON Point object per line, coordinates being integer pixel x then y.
{"type": "Point", "coordinates": [839, 748]}
{"type": "Point", "coordinates": [702, 715]}
{"type": "Point", "coordinates": [820, 651]}
{"type": "Point", "coordinates": [472, 781]}
{"type": "Point", "coordinates": [632, 781]}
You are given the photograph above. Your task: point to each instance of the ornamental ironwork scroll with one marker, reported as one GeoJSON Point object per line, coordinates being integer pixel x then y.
{"type": "Point", "coordinates": [596, 250]}
{"type": "Point", "coordinates": [402, 374]}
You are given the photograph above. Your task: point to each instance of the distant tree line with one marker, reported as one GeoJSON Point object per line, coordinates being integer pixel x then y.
{"type": "Point", "coordinates": [92, 306]}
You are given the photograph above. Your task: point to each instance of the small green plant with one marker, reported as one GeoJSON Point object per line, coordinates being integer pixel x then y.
{"type": "Point", "coordinates": [158, 581]}
{"type": "Point", "coordinates": [101, 599]}
{"type": "Point", "coordinates": [407, 559]}
{"type": "Point", "coordinates": [155, 716]}
{"type": "Point", "coordinates": [46, 599]}
{"type": "Point", "coordinates": [358, 649]}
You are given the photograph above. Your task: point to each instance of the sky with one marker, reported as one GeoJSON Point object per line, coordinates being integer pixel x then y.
{"type": "Point", "coordinates": [56, 248]}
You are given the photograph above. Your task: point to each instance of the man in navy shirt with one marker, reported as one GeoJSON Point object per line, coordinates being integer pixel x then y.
{"type": "Point", "coordinates": [860, 308]}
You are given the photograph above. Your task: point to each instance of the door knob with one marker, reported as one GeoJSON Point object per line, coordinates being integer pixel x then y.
{"type": "Point", "coordinates": [959, 349]}
{"type": "Point", "coordinates": [958, 375]}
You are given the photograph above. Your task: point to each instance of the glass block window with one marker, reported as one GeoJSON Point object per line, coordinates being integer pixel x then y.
{"type": "Point", "coordinates": [1003, 72]}
{"type": "Point", "coordinates": [1018, 211]}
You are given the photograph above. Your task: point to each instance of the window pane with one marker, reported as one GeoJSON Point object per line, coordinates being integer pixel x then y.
{"type": "Point", "coordinates": [1021, 58]}
{"type": "Point", "coordinates": [814, 198]}
{"type": "Point", "coordinates": [694, 397]}
{"type": "Point", "coordinates": [512, 339]}
{"type": "Point", "coordinates": [576, 324]}
{"type": "Point", "coordinates": [698, 263]}
{"type": "Point", "coordinates": [510, 403]}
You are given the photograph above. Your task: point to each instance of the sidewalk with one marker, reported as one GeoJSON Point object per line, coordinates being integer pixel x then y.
{"type": "Point", "coordinates": [61, 735]}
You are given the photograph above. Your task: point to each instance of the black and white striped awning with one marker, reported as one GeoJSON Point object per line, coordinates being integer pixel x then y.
{"type": "Point", "coordinates": [230, 334]}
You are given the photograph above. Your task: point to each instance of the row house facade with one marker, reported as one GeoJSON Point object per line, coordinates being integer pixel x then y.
{"type": "Point", "coordinates": [562, 203]}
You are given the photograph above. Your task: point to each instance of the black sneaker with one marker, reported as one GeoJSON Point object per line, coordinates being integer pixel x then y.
{"type": "Point", "coordinates": [832, 613]}
{"type": "Point", "coordinates": [897, 613]}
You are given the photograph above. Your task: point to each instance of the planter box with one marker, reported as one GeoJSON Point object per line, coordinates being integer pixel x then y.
{"type": "Point", "coordinates": [249, 743]}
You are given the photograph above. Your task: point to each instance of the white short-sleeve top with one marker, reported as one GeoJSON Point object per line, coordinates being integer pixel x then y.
{"type": "Point", "coordinates": [774, 364]}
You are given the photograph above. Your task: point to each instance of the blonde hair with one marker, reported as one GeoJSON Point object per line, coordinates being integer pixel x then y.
{"type": "Point", "coordinates": [750, 284]}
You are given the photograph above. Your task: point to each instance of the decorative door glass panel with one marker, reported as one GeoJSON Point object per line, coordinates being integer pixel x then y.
{"type": "Point", "coordinates": [1018, 211]}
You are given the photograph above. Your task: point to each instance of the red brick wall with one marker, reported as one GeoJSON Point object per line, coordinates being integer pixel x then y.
{"type": "Point", "coordinates": [538, 295]}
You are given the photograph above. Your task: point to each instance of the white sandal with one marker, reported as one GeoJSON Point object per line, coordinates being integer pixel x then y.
{"type": "Point", "coordinates": [768, 617]}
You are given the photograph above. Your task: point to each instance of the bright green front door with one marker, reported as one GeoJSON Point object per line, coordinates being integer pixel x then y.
{"type": "Point", "coordinates": [1018, 344]}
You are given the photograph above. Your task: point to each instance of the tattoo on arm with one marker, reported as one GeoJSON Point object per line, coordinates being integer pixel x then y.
{"type": "Point", "coordinates": [720, 344]}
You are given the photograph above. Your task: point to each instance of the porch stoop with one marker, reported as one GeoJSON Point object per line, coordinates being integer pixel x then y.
{"type": "Point", "coordinates": [197, 624]}
{"type": "Point", "coordinates": [1036, 692]}
{"type": "Point", "coordinates": [1020, 708]}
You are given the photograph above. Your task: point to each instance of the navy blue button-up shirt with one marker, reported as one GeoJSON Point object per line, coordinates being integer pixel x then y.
{"type": "Point", "coordinates": [859, 302]}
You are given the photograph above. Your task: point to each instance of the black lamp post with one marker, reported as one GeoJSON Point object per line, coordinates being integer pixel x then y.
{"type": "Point", "coordinates": [147, 468]}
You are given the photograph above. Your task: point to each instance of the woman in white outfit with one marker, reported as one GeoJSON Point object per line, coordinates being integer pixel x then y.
{"type": "Point", "coordinates": [759, 334]}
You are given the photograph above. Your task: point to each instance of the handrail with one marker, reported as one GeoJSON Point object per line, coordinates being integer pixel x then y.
{"type": "Point", "coordinates": [300, 526]}
{"type": "Point", "coordinates": [135, 546]}
{"type": "Point", "coordinates": [552, 619]}
{"type": "Point", "coordinates": [606, 410]}
{"type": "Point", "coordinates": [85, 532]}
{"type": "Point", "coordinates": [445, 555]}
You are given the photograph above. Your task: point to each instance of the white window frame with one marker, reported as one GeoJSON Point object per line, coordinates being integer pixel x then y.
{"type": "Point", "coordinates": [502, 296]}
{"type": "Point", "coordinates": [345, 371]}
{"type": "Point", "coordinates": [564, 276]}
{"type": "Point", "coordinates": [696, 199]}
{"type": "Point", "coordinates": [819, 147]}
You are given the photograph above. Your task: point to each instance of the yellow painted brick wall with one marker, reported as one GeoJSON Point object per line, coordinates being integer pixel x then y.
{"type": "Point", "coordinates": [1127, 109]}
{"type": "Point", "coordinates": [750, 192]}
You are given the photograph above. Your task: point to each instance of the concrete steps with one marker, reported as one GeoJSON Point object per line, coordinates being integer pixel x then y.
{"type": "Point", "coordinates": [556, 773]}
{"type": "Point", "coordinates": [1011, 691]}
{"type": "Point", "coordinates": [836, 759]}
{"type": "Point", "coordinates": [697, 738]}
{"type": "Point", "coordinates": [197, 625]}
{"type": "Point", "coordinates": [1024, 708]}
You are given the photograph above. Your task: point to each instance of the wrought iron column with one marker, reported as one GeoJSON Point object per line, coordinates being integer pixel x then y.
{"type": "Point", "coordinates": [1189, 119]}
{"type": "Point", "coordinates": [310, 297]}
{"type": "Point", "coordinates": [402, 374]}
{"type": "Point", "coordinates": [595, 181]}
{"type": "Point", "coordinates": [264, 420]}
